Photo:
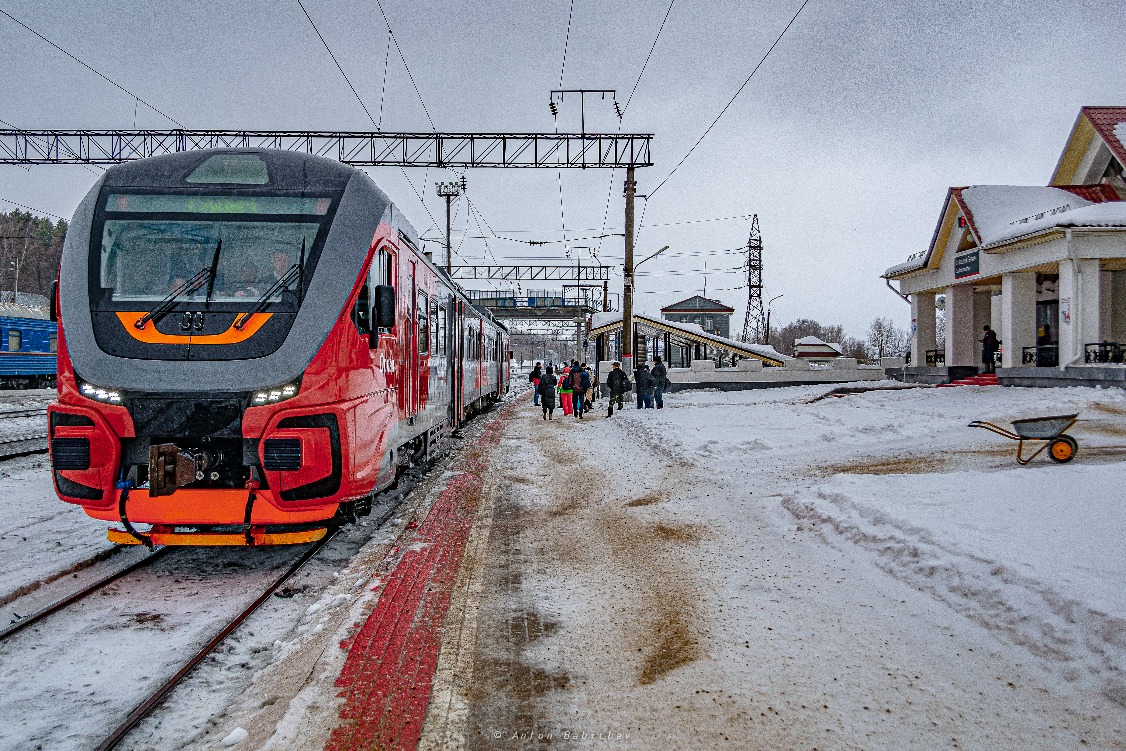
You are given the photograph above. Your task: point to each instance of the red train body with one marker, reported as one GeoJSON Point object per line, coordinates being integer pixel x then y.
{"type": "Point", "coordinates": [177, 409]}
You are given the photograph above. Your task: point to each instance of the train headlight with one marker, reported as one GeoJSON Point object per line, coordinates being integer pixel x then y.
{"type": "Point", "coordinates": [97, 393]}
{"type": "Point", "coordinates": [275, 395]}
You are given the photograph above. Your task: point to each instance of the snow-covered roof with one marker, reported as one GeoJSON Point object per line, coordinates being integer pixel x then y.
{"type": "Point", "coordinates": [765, 351]}
{"type": "Point", "coordinates": [997, 214]}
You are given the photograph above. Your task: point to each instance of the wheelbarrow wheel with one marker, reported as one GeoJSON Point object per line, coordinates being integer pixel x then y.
{"type": "Point", "coordinates": [1063, 449]}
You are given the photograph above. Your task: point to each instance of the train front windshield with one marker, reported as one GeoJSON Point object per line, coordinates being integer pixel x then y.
{"type": "Point", "coordinates": [202, 276]}
{"type": "Point", "coordinates": [161, 244]}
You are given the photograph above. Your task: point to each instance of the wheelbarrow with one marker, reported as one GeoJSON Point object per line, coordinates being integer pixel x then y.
{"type": "Point", "coordinates": [1061, 447]}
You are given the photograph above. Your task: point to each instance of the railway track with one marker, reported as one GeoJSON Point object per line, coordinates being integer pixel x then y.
{"type": "Point", "coordinates": [34, 443]}
{"type": "Point", "coordinates": [153, 700]}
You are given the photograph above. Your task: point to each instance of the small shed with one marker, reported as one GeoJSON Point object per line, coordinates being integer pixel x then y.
{"type": "Point", "coordinates": [812, 349]}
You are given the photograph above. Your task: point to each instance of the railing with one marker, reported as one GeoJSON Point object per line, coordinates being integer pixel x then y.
{"type": "Point", "coordinates": [493, 300]}
{"type": "Point", "coordinates": [936, 357]}
{"type": "Point", "coordinates": [1041, 356]}
{"type": "Point", "coordinates": [1103, 352]}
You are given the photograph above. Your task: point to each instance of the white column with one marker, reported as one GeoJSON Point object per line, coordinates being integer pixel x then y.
{"type": "Point", "coordinates": [1018, 317]}
{"type": "Point", "coordinates": [961, 345]}
{"type": "Point", "coordinates": [1080, 308]}
{"type": "Point", "coordinates": [922, 327]}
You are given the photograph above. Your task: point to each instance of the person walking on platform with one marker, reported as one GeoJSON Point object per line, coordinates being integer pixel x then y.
{"type": "Point", "coordinates": [644, 388]}
{"type": "Point", "coordinates": [534, 377]}
{"type": "Point", "coordinates": [546, 389]}
{"type": "Point", "coordinates": [565, 392]}
{"type": "Point", "coordinates": [660, 381]}
{"type": "Point", "coordinates": [580, 383]}
{"type": "Point", "coordinates": [592, 395]}
{"type": "Point", "coordinates": [619, 385]}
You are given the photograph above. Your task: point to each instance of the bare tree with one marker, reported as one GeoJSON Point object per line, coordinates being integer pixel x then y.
{"type": "Point", "coordinates": [885, 339]}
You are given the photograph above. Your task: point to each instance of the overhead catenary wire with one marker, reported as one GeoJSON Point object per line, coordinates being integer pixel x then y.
{"type": "Point", "coordinates": [91, 68]}
{"type": "Point", "coordinates": [34, 210]}
{"type": "Point", "coordinates": [406, 67]}
{"type": "Point", "coordinates": [337, 63]}
{"type": "Point", "coordinates": [732, 100]}
{"type": "Point", "coordinates": [364, 106]}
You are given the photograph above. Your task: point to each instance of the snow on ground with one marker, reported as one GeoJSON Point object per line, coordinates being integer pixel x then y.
{"type": "Point", "coordinates": [765, 570]}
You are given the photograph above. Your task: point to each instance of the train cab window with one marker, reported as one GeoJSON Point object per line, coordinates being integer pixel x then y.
{"type": "Point", "coordinates": [361, 314]}
{"type": "Point", "coordinates": [15, 340]}
{"type": "Point", "coordinates": [423, 323]}
{"type": "Point", "coordinates": [53, 344]}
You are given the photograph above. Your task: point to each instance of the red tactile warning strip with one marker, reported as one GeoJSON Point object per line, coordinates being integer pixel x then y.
{"type": "Point", "coordinates": [387, 677]}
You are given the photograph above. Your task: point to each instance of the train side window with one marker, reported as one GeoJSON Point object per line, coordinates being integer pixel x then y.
{"type": "Point", "coordinates": [361, 314]}
{"type": "Point", "coordinates": [15, 340]}
{"type": "Point", "coordinates": [53, 344]}
{"type": "Point", "coordinates": [423, 323]}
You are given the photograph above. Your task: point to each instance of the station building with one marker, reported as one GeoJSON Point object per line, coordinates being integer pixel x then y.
{"type": "Point", "coordinates": [1045, 266]}
{"type": "Point", "coordinates": [710, 315]}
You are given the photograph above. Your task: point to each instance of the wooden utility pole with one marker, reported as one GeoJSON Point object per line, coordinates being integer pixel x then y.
{"type": "Point", "coordinates": [627, 285]}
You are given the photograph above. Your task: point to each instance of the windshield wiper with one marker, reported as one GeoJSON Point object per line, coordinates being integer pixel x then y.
{"type": "Point", "coordinates": [296, 271]}
{"type": "Point", "coordinates": [206, 275]}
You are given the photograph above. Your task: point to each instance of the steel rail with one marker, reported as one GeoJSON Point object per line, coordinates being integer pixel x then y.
{"type": "Point", "coordinates": [156, 697]}
{"type": "Point", "coordinates": [13, 447]}
{"type": "Point", "coordinates": [81, 594]}
{"type": "Point", "coordinates": [38, 412]}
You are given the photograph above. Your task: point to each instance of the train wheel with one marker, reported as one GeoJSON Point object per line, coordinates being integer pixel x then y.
{"type": "Point", "coordinates": [1063, 449]}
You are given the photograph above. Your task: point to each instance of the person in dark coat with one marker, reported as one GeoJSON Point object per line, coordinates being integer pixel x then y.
{"type": "Point", "coordinates": [580, 384]}
{"type": "Point", "coordinates": [989, 346]}
{"type": "Point", "coordinates": [534, 377]}
{"type": "Point", "coordinates": [618, 384]}
{"type": "Point", "coordinates": [645, 386]}
{"type": "Point", "coordinates": [660, 381]}
{"type": "Point", "coordinates": [547, 393]}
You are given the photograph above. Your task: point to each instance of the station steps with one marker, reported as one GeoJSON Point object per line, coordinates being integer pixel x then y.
{"type": "Point", "coordinates": [988, 379]}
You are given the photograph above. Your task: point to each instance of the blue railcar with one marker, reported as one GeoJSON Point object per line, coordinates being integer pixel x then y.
{"type": "Point", "coordinates": [27, 352]}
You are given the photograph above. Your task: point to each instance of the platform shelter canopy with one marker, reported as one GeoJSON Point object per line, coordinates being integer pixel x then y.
{"type": "Point", "coordinates": [686, 334]}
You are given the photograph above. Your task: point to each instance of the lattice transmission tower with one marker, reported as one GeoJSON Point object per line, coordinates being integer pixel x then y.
{"type": "Point", "coordinates": [754, 325]}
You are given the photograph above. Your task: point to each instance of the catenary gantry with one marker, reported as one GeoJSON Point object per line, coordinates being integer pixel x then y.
{"type": "Point", "coordinates": [357, 148]}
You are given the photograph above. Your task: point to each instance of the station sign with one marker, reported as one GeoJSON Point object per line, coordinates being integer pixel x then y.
{"type": "Point", "coordinates": [967, 264]}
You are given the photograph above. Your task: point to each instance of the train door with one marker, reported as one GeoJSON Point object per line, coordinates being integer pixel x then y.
{"type": "Point", "coordinates": [457, 348]}
{"type": "Point", "coordinates": [411, 349]}
{"type": "Point", "coordinates": [422, 350]}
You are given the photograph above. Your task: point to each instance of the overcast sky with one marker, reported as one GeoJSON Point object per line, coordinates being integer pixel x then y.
{"type": "Point", "coordinates": [843, 143]}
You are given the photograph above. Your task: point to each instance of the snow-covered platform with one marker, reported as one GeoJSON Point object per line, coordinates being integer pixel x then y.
{"type": "Point", "coordinates": [772, 570]}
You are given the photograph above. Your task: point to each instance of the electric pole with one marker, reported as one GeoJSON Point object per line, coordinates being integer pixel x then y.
{"type": "Point", "coordinates": [754, 324]}
{"type": "Point", "coordinates": [450, 191]}
{"type": "Point", "coordinates": [627, 274]}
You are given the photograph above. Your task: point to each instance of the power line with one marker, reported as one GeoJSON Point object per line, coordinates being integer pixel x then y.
{"type": "Point", "coordinates": [34, 210]}
{"type": "Point", "coordinates": [407, 67]}
{"type": "Point", "coordinates": [90, 68]}
{"type": "Point", "coordinates": [732, 100]}
{"type": "Point", "coordinates": [566, 42]}
{"type": "Point", "coordinates": [383, 91]}
{"type": "Point", "coordinates": [337, 62]}
{"type": "Point", "coordinates": [646, 63]}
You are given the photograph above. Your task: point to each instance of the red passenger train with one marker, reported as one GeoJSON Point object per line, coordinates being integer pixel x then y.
{"type": "Point", "coordinates": [250, 347]}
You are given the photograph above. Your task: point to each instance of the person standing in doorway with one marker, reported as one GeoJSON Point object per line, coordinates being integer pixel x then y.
{"type": "Point", "coordinates": [989, 346]}
{"type": "Point", "coordinates": [618, 384]}
{"type": "Point", "coordinates": [546, 390]}
{"type": "Point", "coordinates": [534, 377]}
{"type": "Point", "coordinates": [660, 381]}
